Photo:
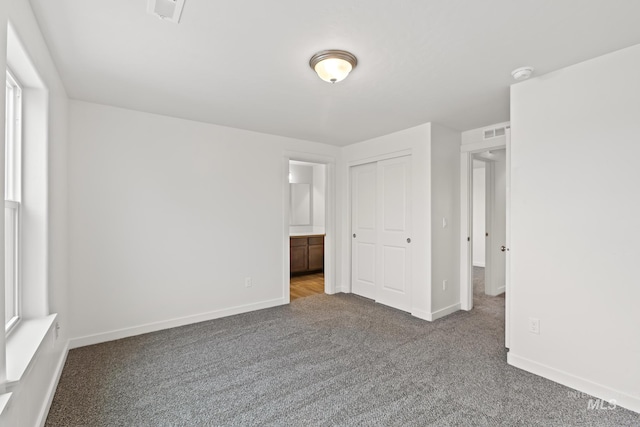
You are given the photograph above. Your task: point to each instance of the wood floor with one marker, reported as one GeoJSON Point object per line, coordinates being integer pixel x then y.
{"type": "Point", "coordinates": [307, 285]}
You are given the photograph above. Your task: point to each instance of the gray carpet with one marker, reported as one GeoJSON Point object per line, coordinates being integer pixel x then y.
{"type": "Point", "coordinates": [323, 360]}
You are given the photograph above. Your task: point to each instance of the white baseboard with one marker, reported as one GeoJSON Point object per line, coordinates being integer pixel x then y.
{"type": "Point", "coordinates": [478, 264]}
{"type": "Point", "coordinates": [332, 291]}
{"type": "Point", "coordinates": [167, 324]}
{"type": "Point", "coordinates": [53, 385]}
{"type": "Point", "coordinates": [581, 384]}
{"type": "Point", "coordinates": [425, 315]}
{"type": "Point", "coordinates": [445, 311]}
{"type": "Point", "coordinates": [421, 314]}
{"type": "Point", "coordinates": [500, 290]}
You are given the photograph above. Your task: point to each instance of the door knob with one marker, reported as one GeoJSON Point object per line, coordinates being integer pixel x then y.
{"type": "Point", "coordinates": [408, 239]}
{"type": "Point", "coordinates": [354, 235]}
{"type": "Point", "coordinates": [503, 248]}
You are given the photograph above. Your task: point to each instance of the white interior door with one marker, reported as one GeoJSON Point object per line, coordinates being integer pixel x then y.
{"type": "Point", "coordinates": [466, 230]}
{"type": "Point", "coordinates": [500, 226]}
{"type": "Point", "coordinates": [364, 230]}
{"type": "Point", "coordinates": [507, 243]}
{"type": "Point", "coordinates": [497, 228]}
{"type": "Point", "coordinates": [394, 257]}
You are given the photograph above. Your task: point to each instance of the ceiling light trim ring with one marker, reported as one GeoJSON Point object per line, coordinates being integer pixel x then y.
{"type": "Point", "coordinates": [333, 53]}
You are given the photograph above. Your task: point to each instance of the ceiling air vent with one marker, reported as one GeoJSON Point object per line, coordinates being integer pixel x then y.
{"type": "Point", "coordinates": [492, 133]}
{"type": "Point", "coordinates": [167, 10]}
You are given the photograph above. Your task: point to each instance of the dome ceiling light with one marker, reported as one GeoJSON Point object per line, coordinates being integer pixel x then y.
{"type": "Point", "coordinates": [333, 65]}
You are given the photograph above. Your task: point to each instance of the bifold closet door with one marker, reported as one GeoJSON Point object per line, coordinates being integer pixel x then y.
{"type": "Point", "coordinates": [381, 258]}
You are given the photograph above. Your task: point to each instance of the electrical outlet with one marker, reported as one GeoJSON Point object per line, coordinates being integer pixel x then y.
{"type": "Point", "coordinates": [534, 325]}
{"type": "Point", "coordinates": [444, 285]}
{"type": "Point", "coordinates": [247, 282]}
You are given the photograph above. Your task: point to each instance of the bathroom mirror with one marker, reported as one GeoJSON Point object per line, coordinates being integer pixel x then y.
{"type": "Point", "coordinates": [300, 204]}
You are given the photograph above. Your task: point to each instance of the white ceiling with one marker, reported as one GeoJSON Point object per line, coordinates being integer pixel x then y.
{"type": "Point", "coordinates": [245, 63]}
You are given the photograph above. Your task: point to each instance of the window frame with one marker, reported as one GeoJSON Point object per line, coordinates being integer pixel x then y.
{"type": "Point", "coordinates": [12, 190]}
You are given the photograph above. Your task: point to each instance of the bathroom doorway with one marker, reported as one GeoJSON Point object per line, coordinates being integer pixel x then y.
{"type": "Point", "coordinates": [307, 228]}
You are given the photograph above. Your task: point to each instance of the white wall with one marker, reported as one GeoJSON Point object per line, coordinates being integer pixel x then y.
{"type": "Point", "coordinates": [475, 136]}
{"type": "Point", "coordinates": [31, 395]}
{"type": "Point", "coordinates": [479, 213]}
{"type": "Point", "coordinates": [301, 174]}
{"type": "Point", "coordinates": [575, 228]}
{"type": "Point", "coordinates": [445, 206]}
{"type": "Point", "coordinates": [4, 14]}
{"type": "Point", "coordinates": [168, 217]}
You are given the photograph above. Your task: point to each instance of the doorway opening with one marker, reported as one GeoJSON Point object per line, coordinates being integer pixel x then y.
{"type": "Point", "coordinates": [495, 279]}
{"type": "Point", "coordinates": [478, 241]}
{"type": "Point", "coordinates": [488, 225]}
{"type": "Point", "coordinates": [307, 228]}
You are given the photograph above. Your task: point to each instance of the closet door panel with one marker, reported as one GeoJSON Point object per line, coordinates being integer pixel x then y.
{"type": "Point", "coordinates": [364, 229]}
{"type": "Point", "coordinates": [393, 233]}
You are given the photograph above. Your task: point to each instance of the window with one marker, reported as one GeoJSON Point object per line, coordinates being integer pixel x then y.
{"type": "Point", "coordinates": [12, 202]}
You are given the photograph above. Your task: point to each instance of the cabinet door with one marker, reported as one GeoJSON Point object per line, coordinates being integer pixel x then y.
{"type": "Point", "coordinates": [316, 257]}
{"type": "Point", "coordinates": [299, 256]}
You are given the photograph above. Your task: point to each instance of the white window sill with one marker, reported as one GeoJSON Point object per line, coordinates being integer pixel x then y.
{"type": "Point", "coordinates": [23, 345]}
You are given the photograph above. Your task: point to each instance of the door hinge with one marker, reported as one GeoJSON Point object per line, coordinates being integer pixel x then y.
{"type": "Point", "coordinates": [468, 239]}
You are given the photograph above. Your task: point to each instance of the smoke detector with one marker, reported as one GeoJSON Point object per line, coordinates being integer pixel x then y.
{"type": "Point", "coordinates": [167, 10]}
{"type": "Point", "coordinates": [522, 73]}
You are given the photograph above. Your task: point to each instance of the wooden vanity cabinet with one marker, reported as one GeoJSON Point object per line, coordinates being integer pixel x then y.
{"type": "Point", "coordinates": [306, 254]}
{"type": "Point", "coordinates": [299, 254]}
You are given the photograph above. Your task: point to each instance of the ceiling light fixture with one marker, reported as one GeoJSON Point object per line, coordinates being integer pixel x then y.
{"type": "Point", "coordinates": [333, 65]}
{"type": "Point", "coordinates": [522, 73]}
